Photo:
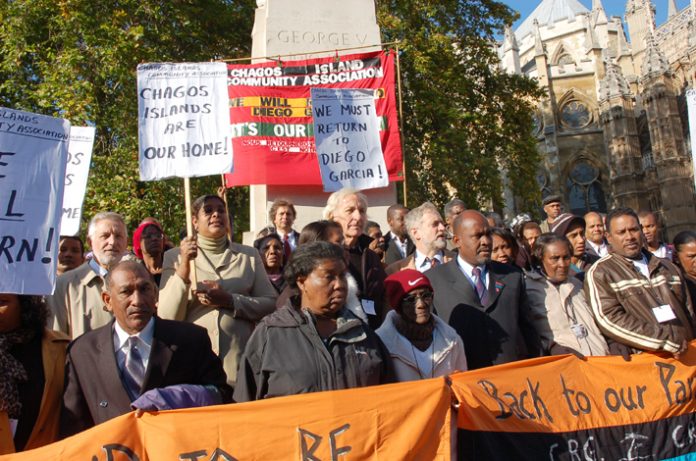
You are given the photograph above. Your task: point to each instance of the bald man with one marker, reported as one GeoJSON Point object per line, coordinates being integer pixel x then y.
{"type": "Point", "coordinates": [484, 301]}
{"type": "Point", "coordinates": [595, 235]}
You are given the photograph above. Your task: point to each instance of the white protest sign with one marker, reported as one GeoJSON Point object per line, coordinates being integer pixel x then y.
{"type": "Point", "coordinates": [346, 134]}
{"type": "Point", "coordinates": [183, 120]}
{"type": "Point", "coordinates": [76, 174]}
{"type": "Point", "coordinates": [33, 155]}
{"type": "Point", "coordinates": [691, 108]}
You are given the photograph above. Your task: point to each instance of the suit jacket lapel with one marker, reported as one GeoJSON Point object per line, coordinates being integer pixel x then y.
{"type": "Point", "coordinates": [461, 285]}
{"type": "Point", "coordinates": [495, 287]}
{"type": "Point", "coordinates": [106, 361]}
{"type": "Point", "coordinates": [160, 356]}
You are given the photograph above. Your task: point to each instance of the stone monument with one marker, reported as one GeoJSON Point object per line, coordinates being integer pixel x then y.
{"type": "Point", "coordinates": [283, 27]}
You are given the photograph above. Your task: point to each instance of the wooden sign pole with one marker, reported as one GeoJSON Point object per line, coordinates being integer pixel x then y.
{"type": "Point", "coordinates": [189, 231]}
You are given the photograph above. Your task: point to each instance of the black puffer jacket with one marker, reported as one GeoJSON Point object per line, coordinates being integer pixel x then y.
{"type": "Point", "coordinates": [286, 356]}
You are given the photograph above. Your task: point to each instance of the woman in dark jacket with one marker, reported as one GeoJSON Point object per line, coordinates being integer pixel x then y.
{"type": "Point", "coordinates": [316, 345]}
{"type": "Point", "coordinates": [348, 207]}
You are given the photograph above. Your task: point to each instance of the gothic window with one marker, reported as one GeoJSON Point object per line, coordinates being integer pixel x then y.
{"type": "Point", "coordinates": [537, 123]}
{"type": "Point", "coordinates": [575, 114]}
{"type": "Point", "coordinates": [565, 59]}
{"type": "Point", "coordinates": [543, 181]}
{"type": "Point", "coordinates": [585, 191]}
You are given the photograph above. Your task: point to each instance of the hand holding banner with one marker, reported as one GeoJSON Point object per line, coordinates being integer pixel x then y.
{"type": "Point", "coordinates": [346, 133]}
{"type": "Point", "coordinates": [184, 120]}
{"type": "Point", "coordinates": [33, 155]}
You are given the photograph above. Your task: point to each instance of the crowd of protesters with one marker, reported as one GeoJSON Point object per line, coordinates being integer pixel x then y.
{"type": "Point", "coordinates": [338, 304]}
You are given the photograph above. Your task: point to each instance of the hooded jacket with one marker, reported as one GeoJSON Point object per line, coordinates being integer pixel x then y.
{"type": "Point", "coordinates": [556, 307]}
{"type": "Point", "coordinates": [286, 356]}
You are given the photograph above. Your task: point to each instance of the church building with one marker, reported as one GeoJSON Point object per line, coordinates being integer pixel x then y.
{"type": "Point", "coordinates": [612, 126]}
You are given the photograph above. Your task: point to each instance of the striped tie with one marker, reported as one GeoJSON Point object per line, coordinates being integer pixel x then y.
{"type": "Point", "coordinates": [480, 287]}
{"type": "Point", "coordinates": [133, 370]}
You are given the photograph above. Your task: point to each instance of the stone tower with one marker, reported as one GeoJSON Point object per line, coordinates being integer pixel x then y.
{"type": "Point", "coordinates": [621, 138]}
{"type": "Point", "coordinates": [672, 164]}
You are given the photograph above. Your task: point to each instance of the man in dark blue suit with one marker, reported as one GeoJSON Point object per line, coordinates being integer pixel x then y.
{"type": "Point", "coordinates": [484, 301]}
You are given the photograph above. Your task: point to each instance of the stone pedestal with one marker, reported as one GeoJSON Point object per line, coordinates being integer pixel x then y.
{"type": "Point", "coordinates": [283, 27]}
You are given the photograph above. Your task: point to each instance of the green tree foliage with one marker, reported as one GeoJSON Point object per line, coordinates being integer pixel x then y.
{"type": "Point", "coordinates": [77, 59]}
{"type": "Point", "coordinates": [464, 119]}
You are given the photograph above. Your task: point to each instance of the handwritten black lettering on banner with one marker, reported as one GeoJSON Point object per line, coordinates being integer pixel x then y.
{"type": "Point", "coordinates": [184, 120]}
{"type": "Point", "coordinates": [76, 174]}
{"type": "Point", "coordinates": [33, 157]}
{"type": "Point", "coordinates": [346, 134]}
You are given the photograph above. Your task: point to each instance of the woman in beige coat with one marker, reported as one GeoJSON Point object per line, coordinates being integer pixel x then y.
{"type": "Point", "coordinates": [233, 291]}
{"type": "Point", "coordinates": [560, 313]}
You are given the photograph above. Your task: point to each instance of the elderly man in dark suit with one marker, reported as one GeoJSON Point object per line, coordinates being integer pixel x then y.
{"type": "Point", "coordinates": [484, 301]}
{"type": "Point", "coordinates": [137, 360]}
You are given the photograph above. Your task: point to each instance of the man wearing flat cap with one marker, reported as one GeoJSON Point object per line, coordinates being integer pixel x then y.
{"type": "Point", "coordinates": [552, 208]}
{"type": "Point", "coordinates": [573, 228]}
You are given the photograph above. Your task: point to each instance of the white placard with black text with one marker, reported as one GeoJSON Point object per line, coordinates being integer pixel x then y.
{"type": "Point", "coordinates": [183, 120]}
{"type": "Point", "coordinates": [76, 174]}
{"type": "Point", "coordinates": [33, 155]}
{"type": "Point", "coordinates": [346, 134]}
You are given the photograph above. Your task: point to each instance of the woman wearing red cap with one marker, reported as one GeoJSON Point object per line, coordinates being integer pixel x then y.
{"type": "Point", "coordinates": [421, 345]}
{"type": "Point", "coordinates": [148, 246]}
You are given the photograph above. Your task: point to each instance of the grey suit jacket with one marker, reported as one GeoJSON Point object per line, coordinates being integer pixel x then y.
{"type": "Point", "coordinates": [499, 332]}
{"type": "Point", "coordinates": [94, 390]}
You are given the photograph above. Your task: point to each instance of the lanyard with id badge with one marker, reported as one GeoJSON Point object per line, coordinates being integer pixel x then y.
{"type": "Point", "coordinates": [664, 313]}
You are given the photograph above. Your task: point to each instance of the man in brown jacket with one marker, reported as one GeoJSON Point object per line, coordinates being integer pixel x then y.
{"type": "Point", "coordinates": [639, 301]}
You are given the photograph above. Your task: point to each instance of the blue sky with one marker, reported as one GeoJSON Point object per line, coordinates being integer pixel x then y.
{"type": "Point", "coordinates": [612, 7]}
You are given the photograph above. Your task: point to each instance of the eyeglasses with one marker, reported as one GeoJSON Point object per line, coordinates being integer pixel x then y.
{"type": "Point", "coordinates": [426, 297]}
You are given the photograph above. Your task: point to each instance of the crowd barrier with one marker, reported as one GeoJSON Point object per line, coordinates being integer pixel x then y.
{"type": "Point", "coordinates": [551, 408]}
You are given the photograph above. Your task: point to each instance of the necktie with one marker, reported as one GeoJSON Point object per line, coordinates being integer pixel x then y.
{"type": "Point", "coordinates": [133, 369]}
{"type": "Point", "coordinates": [287, 251]}
{"type": "Point", "coordinates": [480, 286]}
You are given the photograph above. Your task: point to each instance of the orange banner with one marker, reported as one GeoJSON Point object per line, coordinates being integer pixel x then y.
{"type": "Point", "coordinates": [564, 393]}
{"type": "Point", "coordinates": [547, 408]}
{"type": "Point", "coordinates": [398, 421]}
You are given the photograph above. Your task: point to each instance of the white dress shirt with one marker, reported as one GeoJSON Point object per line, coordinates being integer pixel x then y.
{"type": "Point", "coordinates": [400, 245]}
{"type": "Point", "coordinates": [423, 263]}
{"type": "Point", "coordinates": [602, 249]}
{"type": "Point", "coordinates": [121, 343]}
{"type": "Point", "coordinates": [467, 270]}
{"type": "Point", "coordinates": [292, 239]}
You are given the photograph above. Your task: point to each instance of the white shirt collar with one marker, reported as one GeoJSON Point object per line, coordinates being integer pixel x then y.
{"type": "Point", "coordinates": [467, 270]}
{"type": "Point", "coordinates": [642, 266]}
{"type": "Point", "coordinates": [94, 265]}
{"type": "Point", "coordinates": [424, 263]}
{"type": "Point", "coordinates": [145, 336]}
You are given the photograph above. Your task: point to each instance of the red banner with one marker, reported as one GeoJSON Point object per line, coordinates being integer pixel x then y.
{"type": "Point", "coordinates": [271, 116]}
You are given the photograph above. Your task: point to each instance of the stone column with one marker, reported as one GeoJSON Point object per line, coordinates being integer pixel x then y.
{"type": "Point", "coordinates": [283, 27]}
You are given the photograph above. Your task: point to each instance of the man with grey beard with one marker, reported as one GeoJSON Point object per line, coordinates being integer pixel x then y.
{"type": "Point", "coordinates": [76, 305]}
{"type": "Point", "coordinates": [427, 230]}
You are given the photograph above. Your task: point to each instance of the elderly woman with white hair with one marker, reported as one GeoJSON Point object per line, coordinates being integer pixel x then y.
{"type": "Point", "coordinates": [348, 207]}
